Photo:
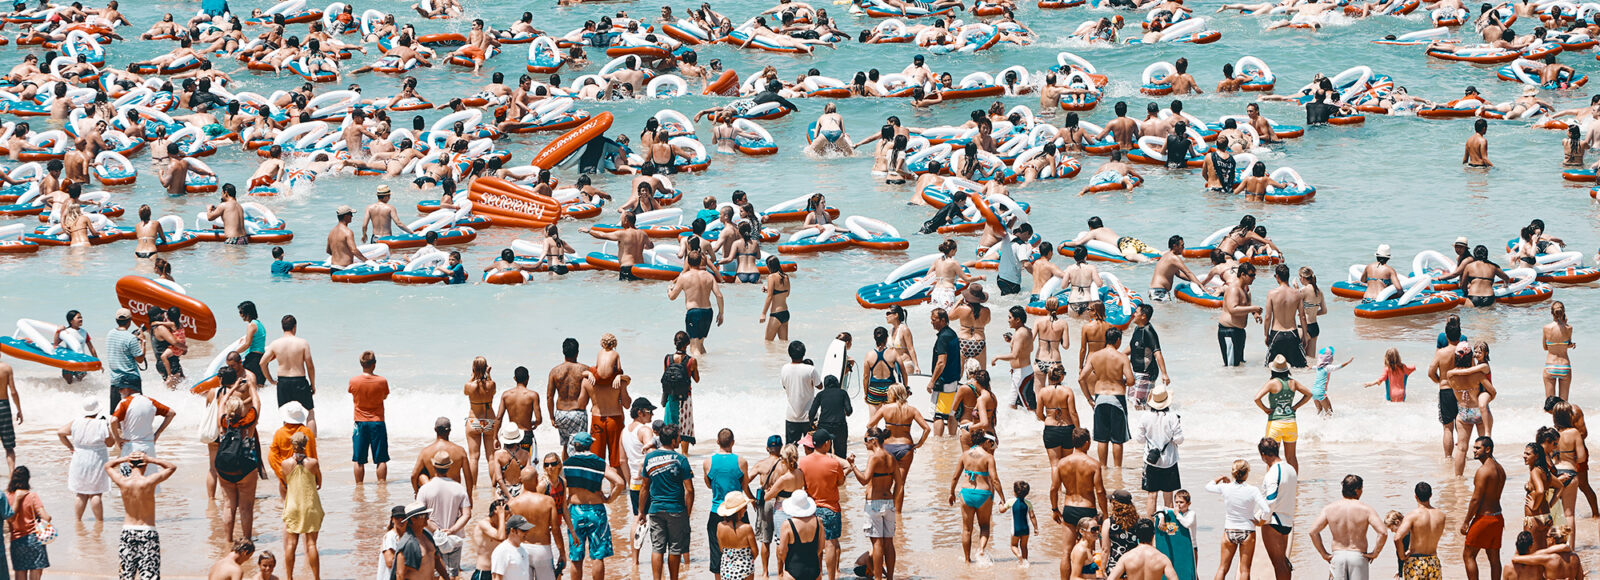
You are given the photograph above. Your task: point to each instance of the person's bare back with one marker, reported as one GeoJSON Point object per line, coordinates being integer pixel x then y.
{"type": "Point", "coordinates": [1143, 563]}
{"type": "Point", "coordinates": [566, 390]}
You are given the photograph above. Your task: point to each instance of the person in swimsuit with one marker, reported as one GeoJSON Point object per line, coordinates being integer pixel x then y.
{"type": "Point", "coordinates": [743, 250]}
{"type": "Point", "coordinates": [481, 423]}
{"type": "Point", "coordinates": [1092, 335]}
{"type": "Point", "coordinates": [971, 316]}
{"type": "Point", "coordinates": [1058, 410]}
{"type": "Point", "coordinates": [947, 273]}
{"type": "Point", "coordinates": [883, 370]}
{"type": "Point", "coordinates": [1081, 278]}
{"type": "Point", "coordinates": [149, 233]}
{"type": "Point", "coordinates": [1539, 492]}
{"type": "Point", "coordinates": [1478, 278]}
{"type": "Point", "coordinates": [879, 479]}
{"type": "Point", "coordinates": [900, 339]}
{"type": "Point", "coordinates": [982, 483]}
{"type": "Point", "coordinates": [775, 309]}
{"type": "Point", "coordinates": [1081, 562]}
{"type": "Point", "coordinates": [1571, 459]}
{"type": "Point", "coordinates": [1395, 373]}
{"type": "Point", "coordinates": [1557, 346]}
{"type": "Point", "coordinates": [1380, 275]}
{"type": "Point", "coordinates": [1314, 305]}
{"type": "Point", "coordinates": [800, 542]}
{"type": "Point", "coordinates": [1279, 392]}
{"type": "Point", "coordinates": [1243, 507]}
{"type": "Point", "coordinates": [897, 416]}
{"type": "Point", "coordinates": [1050, 334]}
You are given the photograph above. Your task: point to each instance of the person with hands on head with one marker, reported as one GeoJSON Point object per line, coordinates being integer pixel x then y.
{"type": "Point", "coordinates": [140, 545]}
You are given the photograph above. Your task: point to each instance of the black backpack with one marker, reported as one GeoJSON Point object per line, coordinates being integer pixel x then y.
{"type": "Point", "coordinates": [236, 456]}
{"type": "Point", "coordinates": [675, 378]}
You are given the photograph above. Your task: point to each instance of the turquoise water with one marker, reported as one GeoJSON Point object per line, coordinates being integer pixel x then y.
{"type": "Point", "coordinates": [1394, 180]}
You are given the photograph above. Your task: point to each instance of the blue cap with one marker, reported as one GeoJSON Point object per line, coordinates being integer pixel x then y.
{"type": "Point", "coordinates": [582, 439]}
{"type": "Point", "coordinates": [774, 441]}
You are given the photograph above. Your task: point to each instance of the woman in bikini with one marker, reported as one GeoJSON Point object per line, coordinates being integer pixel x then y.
{"type": "Point", "coordinates": [1314, 305]}
{"type": "Point", "coordinates": [238, 475]}
{"type": "Point", "coordinates": [1081, 565]}
{"type": "Point", "coordinates": [1557, 361]}
{"type": "Point", "coordinates": [744, 252]}
{"type": "Point", "coordinates": [1479, 276]}
{"type": "Point", "coordinates": [979, 485]}
{"type": "Point", "coordinates": [947, 272]}
{"type": "Point", "coordinates": [784, 484]}
{"type": "Point", "coordinates": [1050, 338]}
{"type": "Point", "coordinates": [900, 338]}
{"type": "Point", "coordinates": [148, 233]}
{"type": "Point", "coordinates": [817, 211]}
{"type": "Point", "coordinates": [481, 425]}
{"type": "Point", "coordinates": [971, 317]}
{"type": "Point", "coordinates": [897, 416]}
{"type": "Point", "coordinates": [507, 464]}
{"type": "Point", "coordinates": [1092, 337]}
{"type": "Point", "coordinates": [1570, 455]}
{"type": "Point", "coordinates": [976, 406]}
{"type": "Point", "coordinates": [1540, 493]}
{"type": "Point", "coordinates": [1476, 380]}
{"type": "Point", "coordinates": [1058, 410]}
{"type": "Point", "coordinates": [555, 250]}
{"type": "Point", "coordinates": [883, 370]}
{"type": "Point", "coordinates": [1241, 504]}
{"type": "Point", "coordinates": [775, 309]}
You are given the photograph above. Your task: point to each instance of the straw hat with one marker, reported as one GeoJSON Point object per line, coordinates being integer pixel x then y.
{"type": "Point", "coordinates": [734, 503]}
{"type": "Point", "coordinates": [441, 460]}
{"type": "Point", "coordinates": [1160, 398]}
{"type": "Point", "coordinates": [1279, 364]}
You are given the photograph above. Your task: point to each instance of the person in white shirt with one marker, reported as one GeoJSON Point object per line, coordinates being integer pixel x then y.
{"type": "Point", "coordinates": [1162, 433]}
{"type": "Point", "coordinates": [134, 426]}
{"type": "Point", "coordinates": [510, 559]}
{"type": "Point", "coordinates": [391, 543]}
{"type": "Point", "coordinates": [800, 382]}
{"type": "Point", "coordinates": [451, 507]}
{"type": "Point", "coordinates": [1244, 508]}
{"type": "Point", "coordinates": [1278, 486]}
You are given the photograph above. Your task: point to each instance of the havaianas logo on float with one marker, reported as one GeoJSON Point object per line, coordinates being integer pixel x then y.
{"type": "Point", "coordinates": [510, 204]}
{"type": "Point", "coordinates": [141, 308]}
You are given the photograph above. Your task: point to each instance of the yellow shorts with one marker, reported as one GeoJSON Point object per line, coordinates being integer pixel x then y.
{"type": "Point", "coordinates": [943, 403]}
{"type": "Point", "coordinates": [1283, 431]}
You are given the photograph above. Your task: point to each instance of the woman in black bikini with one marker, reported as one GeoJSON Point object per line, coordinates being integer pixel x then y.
{"type": "Point", "coordinates": [744, 253]}
{"type": "Point", "coordinates": [1570, 456]}
{"type": "Point", "coordinates": [775, 310]}
{"type": "Point", "coordinates": [1477, 278]}
{"type": "Point", "coordinates": [1540, 490]}
{"type": "Point", "coordinates": [898, 416]}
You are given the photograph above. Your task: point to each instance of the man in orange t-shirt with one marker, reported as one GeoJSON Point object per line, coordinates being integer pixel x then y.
{"type": "Point", "coordinates": [824, 473]}
{"type": "Point", "coordinates": [367, 392]}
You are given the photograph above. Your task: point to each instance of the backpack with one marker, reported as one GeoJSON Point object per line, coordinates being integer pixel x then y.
{"type": "Point", "coordinates": [235, 455]}
{"type": "Point", "coordinates": [675, 378]}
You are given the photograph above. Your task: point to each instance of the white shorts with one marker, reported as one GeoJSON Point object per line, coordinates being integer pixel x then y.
{"type": "Point", "coordinates": [880, 518]}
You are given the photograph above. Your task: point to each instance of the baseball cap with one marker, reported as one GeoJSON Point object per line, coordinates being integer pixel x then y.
{"type": "Point", "coordinates": [643, 404]}
{"type": "Point", "coordinates": [1122, 496]}
{"type": "Point", "coordinates": [821, 436]}
{"type": "Point", "coordinates": [519, 523]}
{"type": "Point", "coordinates": [124, 314]}
{"type": "Point", "coordinates": [344, 210]}
{"type": "Point", "coordinates": [773, 441]}
{"type": "Point", "coordinates": [582, 439]}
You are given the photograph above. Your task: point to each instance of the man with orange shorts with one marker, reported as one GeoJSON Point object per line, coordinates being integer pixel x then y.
{"type": "Point", "coordinates": [1484, 525]}
{"type": "Point", "coordinates": [606, 412]}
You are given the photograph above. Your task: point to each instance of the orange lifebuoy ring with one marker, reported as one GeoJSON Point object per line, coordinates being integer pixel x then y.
{"type": "Point", "coordinates": [140, 294]}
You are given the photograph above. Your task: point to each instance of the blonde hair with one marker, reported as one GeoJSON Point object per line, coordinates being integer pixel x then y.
{"type": "Point", "coordinates": [608, 341]}
{"type": "Point", "coordinates": [299, 441]}
{"type": "Point", "coordinates": [898, 393]}
{"type": "Point", "coordinates": [790, 455]}
{"type": "Point", "coordinates": [1241, 470]}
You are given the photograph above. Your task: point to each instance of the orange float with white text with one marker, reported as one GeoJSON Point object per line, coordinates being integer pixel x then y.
{"type": "Point", "coordinates": [512, 205]}
{"type": "Point", "coordinates": [140, 295]}
{"type": "Point", "coordinates": [570, 142]}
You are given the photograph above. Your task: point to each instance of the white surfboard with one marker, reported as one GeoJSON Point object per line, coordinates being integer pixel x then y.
{"type": "Point", "coordinates": [833, 363]}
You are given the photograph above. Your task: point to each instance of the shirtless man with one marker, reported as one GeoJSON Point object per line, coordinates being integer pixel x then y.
{"type": "Point", "coordinates": [1347, 521]}
{"type": "Point", "coordinates": [567, 396]}
{"type": "Point", "coordinates": [341, 248]}
{"type": "Point", "coordinates": [382, 217]}
{"type": "Point", "coordinates": [1021, 359]}
{"type": "Point", "coordinates": [270, 170]}
{"type": "Point", "coordinates": [1236, 310]}
{"type": "Point", "coordinates": [1077, 489]}
{"type": "Point", "coordinates": [1285, 320]}
{"type": "Point", "coordinates": [1260, 123]}
{"type": "Point", "coordinates": [698, 287]}
{"type": "Point", "coordinates": [423, 469]}
{"type": "Point", "coordinates": [140, 546]}
{"type": "Point", "coordinates": [520, 405]}
{"type": "Point", "coordinates": [297, 374]}
{"type": "Point", "coordinates": [354, 131]}
{"type": "Point", "coordinates": [1122, 129]}
{"type": "Point", "coordinates": [1169, 266]}
{"type": "Point", "coordinates": [1182, 82]}
{"type": "Point", "coordinates": [74, 166]}
{"type": "Point", "coordinates": [1144, 562]}
{"type": "Point", "coordinates": [608, 402]}
{"type": "Point", "coordinates": [175, 176]}
{"type": "Point", "coordinates": [539, 518]}
{"type": "Point", "coordinates": [232, 215]}
{"type": "Point", "coordinates": [1424, 525]}
{"type": "Point", "coordinates": [1105, 379]}
{"type": "Point", "coordinates": [231, 565]}
{"type": "Point", "coordinates": [631, 244]}
{"type": "Point", "coordinates": [1555, 562]}
{"type": "Point", "coordinates": [1477, 150]}
{"type": "Point", "coordinates": [1484, 524]}
{"type": "Point", "coordinates": [1043, 270]}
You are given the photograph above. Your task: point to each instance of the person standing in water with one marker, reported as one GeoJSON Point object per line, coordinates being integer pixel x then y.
{"type": "Point", "coordinates": [1281, 406]}
{"type": "Point", "coordinates": [1347, 521]}
{"type": "Point", "coordinates": [481, 424]}
{"type": "Point", "coordinates": [1417, 539]}
{"type": "Point", "coordinates": [1557, 359]}
{"type": "Point", "coordinates": [1477, 149]}
{"type": "Point", "coordinates": [1236, 310]}
{"type": "Point", "coordinates": [698, 287]}
{"type": "Point", "coordinates": [297, 375]}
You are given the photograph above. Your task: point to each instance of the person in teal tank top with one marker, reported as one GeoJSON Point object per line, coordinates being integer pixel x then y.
{"type": "Point", "coordinates": [725, 473]}
{"type": "Point", "coordinates": [255, 339]}
{"type": "Point", "coordinates": [1281, 406]}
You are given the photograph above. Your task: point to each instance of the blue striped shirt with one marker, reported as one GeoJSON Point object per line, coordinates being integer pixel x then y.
{"type": "Point", "coordinates": [584, 471]}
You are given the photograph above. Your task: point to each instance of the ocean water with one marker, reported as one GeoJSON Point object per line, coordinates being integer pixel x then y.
{"type": "Point", "coordinates": [1394, 180]}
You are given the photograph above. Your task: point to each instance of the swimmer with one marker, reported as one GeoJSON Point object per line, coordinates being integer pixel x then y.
{"type": "Point", "coordinates": [831, 136]}
{"type": "Point", "coordinates": [1114, 170]}
{"type": "Point", "coordinates": [1169, 267]}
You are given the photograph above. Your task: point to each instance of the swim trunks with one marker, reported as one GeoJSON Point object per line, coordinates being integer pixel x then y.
{"type": "Point", "coordinates": [607, 433]}
{"type": "Point", "coordinates": [1349, 565]}
{"type": "Point", "coordinates": [1072, 514]}
{"type": "Point", "coordinates": [1111, 418]}
{"type": "Point", "coordinates": [590, 527]}
{"type": "Point", "coordinates": [625, 273]}
{"type": "Point", "coordinates": [1286, 343]}
{"type": "Point", "coordinates": [1485, 532]}
{"type": "Point", "coordinates": [569, 423]}
{"type": "Point", "coordinates": [1140, 392]}
{"type": "Point", "coordinates": [1231, 339]}
{"type": "Point", "coordinates": [1160, 294]}
{"type": "Point", "coordinates": [296, 389]}
{"type": "Point", "coordinates": [1160, 479]}
{"type": "Point", "coordinates": [1022, 385]}
{"type": "Point", "coordinates": [697, 322]}
{"type": "Point", "coordinates": [370, 438]}
{"type": "Point", "coordinates": [1058, 436]}
{"type": "Point", "coordinates": [1448, 408]}
{"type": "Point", "coordinates": [139, 549]}
{"type": "Point", "coordinates": [943, 402]}
{"type": "Point", "coordinates": [237, 241]}
{"type": "Point", "coordinates": [1421, 567]}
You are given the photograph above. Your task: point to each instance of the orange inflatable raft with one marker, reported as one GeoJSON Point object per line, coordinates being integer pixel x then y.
{"type": "Point", "coordinates": [512, 205]}
{"type": "Point", "coordinates": [140, 295]}
{"type": "Point", "coordinates": [571, 141]}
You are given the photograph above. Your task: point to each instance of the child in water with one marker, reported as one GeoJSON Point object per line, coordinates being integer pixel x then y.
{"type": "Point", "coordinates": [1022, 521]}
{"type": "Point", "coordinates": [1394, 377]}
{"type": "Point", "coordinates": [1319, 388]}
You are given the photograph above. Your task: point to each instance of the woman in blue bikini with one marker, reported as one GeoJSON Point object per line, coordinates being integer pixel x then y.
{"type": "Point", "coordinates": [1557, 361]}
{"type": "Point", "coordinates": [977, 467]}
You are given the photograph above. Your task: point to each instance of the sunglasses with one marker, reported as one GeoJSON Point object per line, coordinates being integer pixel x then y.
{"type": "Point", "coordinates": [551, 464]}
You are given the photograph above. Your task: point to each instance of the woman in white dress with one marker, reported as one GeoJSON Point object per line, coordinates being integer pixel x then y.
{"type": "Point", "coordinates": [88, 438]}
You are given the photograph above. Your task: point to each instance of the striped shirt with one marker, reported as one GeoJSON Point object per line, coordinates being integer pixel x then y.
{"type": "Point", "coordinates": [584, 471]}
